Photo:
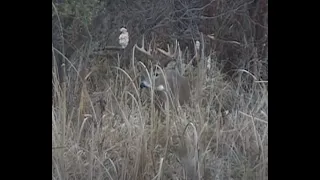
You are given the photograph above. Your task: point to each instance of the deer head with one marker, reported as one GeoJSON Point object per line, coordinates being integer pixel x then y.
{"type": "Point", "coordinates": [166, 82]}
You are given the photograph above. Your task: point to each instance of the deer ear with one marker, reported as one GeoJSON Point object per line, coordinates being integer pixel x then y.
{"type": "Point", "coordinates": [165, 62]}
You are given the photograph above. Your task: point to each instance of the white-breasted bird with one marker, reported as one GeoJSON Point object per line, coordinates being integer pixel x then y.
{"type": "Point", "coordinates": [124, 38]}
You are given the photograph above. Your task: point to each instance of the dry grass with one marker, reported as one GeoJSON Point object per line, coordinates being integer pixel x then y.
{"type": "Point", "coordinates": [115, 134]}
{"type": "Point", "coordinates": [103, 126]}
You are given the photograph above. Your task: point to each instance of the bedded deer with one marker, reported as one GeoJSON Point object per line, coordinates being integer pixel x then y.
{"type": "Point", "coordinates": [168, 84]}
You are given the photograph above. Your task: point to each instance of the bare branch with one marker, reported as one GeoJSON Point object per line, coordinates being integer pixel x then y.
{"type": "Point", "coordinates": [224, 41]}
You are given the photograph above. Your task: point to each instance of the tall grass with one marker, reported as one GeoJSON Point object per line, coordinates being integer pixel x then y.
{"type": "Point", "coordinates": [112, 134]}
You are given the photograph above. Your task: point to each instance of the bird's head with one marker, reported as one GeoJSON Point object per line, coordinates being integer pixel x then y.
{"type": "Point", "coordinates": [122, 30]}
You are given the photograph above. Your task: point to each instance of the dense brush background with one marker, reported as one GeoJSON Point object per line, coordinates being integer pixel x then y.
{"type": "Point", "coordinates": [103, 126]}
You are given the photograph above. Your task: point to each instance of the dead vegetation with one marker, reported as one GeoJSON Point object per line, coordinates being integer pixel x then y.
{"type": "Point", "coordinates": [105, 127]}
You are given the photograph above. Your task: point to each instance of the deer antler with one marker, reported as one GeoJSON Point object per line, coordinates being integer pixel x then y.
{"type": "Point", "coordinates": [169, 53]}
{"type": "Point", "coordinates": [143, 50]}
{"type": "Point", "coordinates": [172, 53]}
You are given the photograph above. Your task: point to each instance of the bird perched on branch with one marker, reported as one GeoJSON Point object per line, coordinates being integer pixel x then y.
{"type": "Point", "coordinates": [124, 38]}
